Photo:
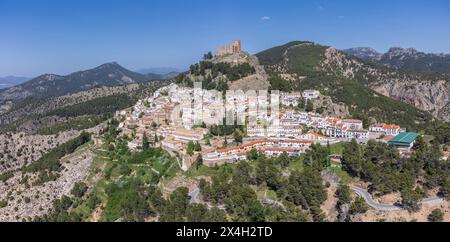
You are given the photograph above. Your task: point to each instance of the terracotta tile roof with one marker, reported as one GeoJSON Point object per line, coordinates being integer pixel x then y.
{"type": "Point", "coordinates": [388, 126]}
{"type": "Point", "coordinates": [281, 149]}
{"type": "Point", "coordinates": [250, 144]}
{"type": "Point", "coordinates": [387, 138]}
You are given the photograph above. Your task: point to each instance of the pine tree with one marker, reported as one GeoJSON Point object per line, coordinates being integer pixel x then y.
{"type": "Point", "coordinates": [145, 143]}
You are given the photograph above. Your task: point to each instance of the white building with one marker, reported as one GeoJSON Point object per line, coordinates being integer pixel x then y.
{"type": "Point", "coordinates": [386, 129]}
{"type": "Point", "coordinates": [311, 94]}
{"type": "Point", "coordinates": [352, 123]}
{"type": "Point", "coordinates": [290, 99]}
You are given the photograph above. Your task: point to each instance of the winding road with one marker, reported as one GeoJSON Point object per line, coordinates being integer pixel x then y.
{"type": "Point", "coordinates": [360, 191]}
{"type": "Point", "coordinates": [388, 207]}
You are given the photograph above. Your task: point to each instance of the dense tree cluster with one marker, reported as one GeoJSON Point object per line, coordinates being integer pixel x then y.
{"type": "Point", "coordinates": [318, 156]}
{"type": "Point", "coordinates": [178, 208]}
{"type": "Point", "coordinates": [440, 131]}
{"type": "Point", "coordinates": [381, 165]}
{"type": "Point", "coordinates": [358, 206]}
{"type": "Point", "coordinates": [193, 147]}
{"type": "Point", "coordinates": [436, 216]}
{"type": "Point", "coordinates": [60, 212]}
{"type": "Point", "coordinates": [215, 75]}
{"type": "Point", "coordinates": [223, 129]}
{"type": "Point", "coordinates": [301, 193]}
{"type": "Point", "coordinates": [232, 72]}
{"type": "Point", "coordinates": [278, 83]}
{"type": "Point", "coordinates": [98, 106]}
{"type": "Point", "coordinates": [78, 123]}
{"type": "Point", "coordinates": [79, 189]}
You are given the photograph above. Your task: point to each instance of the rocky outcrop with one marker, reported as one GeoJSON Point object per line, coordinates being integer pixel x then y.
{"type": "Point", "coordinates": [428, 94]}
{"type": "Point", "coordinates": [257, 81]}
{"type": "Point", "coordinates": [18, 149]}
{"type": "Point", "coordinates": [405, 59]}
{"type": "Point", "coordinates": [25, 200]}
{"type": "Point", "coordinates": [364, 53]}
{"type": "Point", "coordinates": [330, 108]}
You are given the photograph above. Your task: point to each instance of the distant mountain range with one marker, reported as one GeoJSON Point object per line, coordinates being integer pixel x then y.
{"type": "Point", "coordinates": [50, 85]}
{"type": "Point", "coordinates": [163, 72]}
{"type": "Point", "coordinates": [159, 70]}
{"type": "Point", "coordinates": [404, 59]}
{"type": "Point", "coordinates": [9, 81]}
{"type": "Point", "coordinates": [364, 53]}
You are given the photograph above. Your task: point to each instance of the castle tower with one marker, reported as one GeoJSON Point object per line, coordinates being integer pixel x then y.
{"type": "Point", "coordinates": [234, 47]}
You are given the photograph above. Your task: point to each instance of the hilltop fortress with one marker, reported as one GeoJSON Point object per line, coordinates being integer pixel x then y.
{"type": "Point", "coordinates": [234, 47]}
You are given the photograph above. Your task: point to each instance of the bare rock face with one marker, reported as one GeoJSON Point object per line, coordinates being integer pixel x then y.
{"type": "Point", "coordinates": [257, 81]}
{"type": "Point", "coordinates": [14, 93]}
{"type": "Point", "coordinates": [344, 213]}
{"type": "Point", "coordinates": [19, 149]}
{"type": "Point", "coordinates": [428, 94]}
{"type": "Point", "coordinates": [330, 108]}
{"type": "Point", "coordinates": [25, 201]}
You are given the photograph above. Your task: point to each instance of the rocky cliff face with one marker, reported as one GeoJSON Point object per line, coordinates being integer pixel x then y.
{"type": "Point", "coordinates": [426, 93]}
{"type": "Point", "coordinates": [364, 53]}
{"type": "Point", "coordinates": [257, 81]}
{"type": "Point", "coordinates": [429, 96]}
{"type": "Point", "coordinates": [331, 108]}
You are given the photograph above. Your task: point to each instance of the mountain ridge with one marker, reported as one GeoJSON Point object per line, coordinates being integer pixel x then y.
{"type": "Point", "coordinates": [50, 85]}
{"type": "Point", "coordinates": [407, 59]}
{"type": "Point", "coordinates": [356, 83]}
{"type": "Point", "coordinates": [9, 81]}
{"type": "Point", "coordinates": [159, 70]}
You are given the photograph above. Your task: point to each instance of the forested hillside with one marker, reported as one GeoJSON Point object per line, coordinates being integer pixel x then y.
{"type": "Point", "coordinates": [306, 64]}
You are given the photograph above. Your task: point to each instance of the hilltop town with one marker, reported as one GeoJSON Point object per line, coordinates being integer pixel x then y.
{"type": "Point", "coordinates": [221, 139]}
{"type": "Point", "coordinates": [293, 134]}
{"type": "Point", "coordinates": [155, 120]}
{"type": "Point", "coordinates": [234, 113]}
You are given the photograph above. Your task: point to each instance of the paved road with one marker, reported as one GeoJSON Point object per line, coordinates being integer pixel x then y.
{"type": "Point", "coordinates": [432, 200]}
{"type": "Point", "coordinates": [388, 207]}
{"type": "Point", "coordinates": [368, 198]}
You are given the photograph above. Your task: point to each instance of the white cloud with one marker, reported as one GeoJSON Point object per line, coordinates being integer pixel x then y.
{"type": "Point", "coordinates": [265, 18]}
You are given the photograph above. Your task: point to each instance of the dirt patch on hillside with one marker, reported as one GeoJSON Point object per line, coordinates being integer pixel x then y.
{"type": "Point", "coordinates": [404, 215]}
{"type": "Point", "coordinates": [177, 182]}
{"type": "Point", "coordinates": [329, 206]}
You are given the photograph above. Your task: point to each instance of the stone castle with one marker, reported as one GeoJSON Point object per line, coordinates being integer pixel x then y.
{"type": "Point", "coordinates": [234, 47]}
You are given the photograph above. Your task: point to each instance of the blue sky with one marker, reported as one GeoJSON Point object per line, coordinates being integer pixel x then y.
{"type": "Point", "coordinates": [63, 36]}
